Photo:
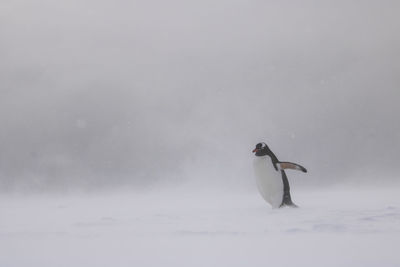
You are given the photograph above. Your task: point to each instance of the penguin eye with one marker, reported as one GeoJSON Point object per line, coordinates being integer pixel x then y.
{"type": "Point", "coordinates": [259, 145]}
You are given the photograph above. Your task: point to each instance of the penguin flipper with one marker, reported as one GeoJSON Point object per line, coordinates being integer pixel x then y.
{"type": "Point", "coordinates": [290, 165]}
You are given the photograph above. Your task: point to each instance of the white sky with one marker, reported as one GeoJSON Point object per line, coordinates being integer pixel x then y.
{"type": "Point", "coordinates": [170, 90]}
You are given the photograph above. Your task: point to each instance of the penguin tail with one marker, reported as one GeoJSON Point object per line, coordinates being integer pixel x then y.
{"type": "Point", "coordinates": [287, 201]}
{"type": "Point", "coordinates": [288, 204]}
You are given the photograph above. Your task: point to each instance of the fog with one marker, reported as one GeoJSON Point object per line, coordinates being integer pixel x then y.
{"type": "Point", "coordinates": [100, 94]}
{"type": "Point", "coordinates": [126, 131]}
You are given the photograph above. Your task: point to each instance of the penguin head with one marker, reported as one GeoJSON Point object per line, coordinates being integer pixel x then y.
{"type": "Point", "coordinates": [261, 149]}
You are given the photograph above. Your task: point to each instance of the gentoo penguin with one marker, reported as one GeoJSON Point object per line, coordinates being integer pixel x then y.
{"type": "Point", "coordinates": [271, 178]}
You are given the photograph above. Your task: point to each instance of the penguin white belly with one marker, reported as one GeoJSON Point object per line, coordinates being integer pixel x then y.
{"type": "Point", "coordinates": [269, 181]}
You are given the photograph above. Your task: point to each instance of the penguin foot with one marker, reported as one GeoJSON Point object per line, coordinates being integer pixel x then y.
{"type": "Point", "coordinates": [289, 205]}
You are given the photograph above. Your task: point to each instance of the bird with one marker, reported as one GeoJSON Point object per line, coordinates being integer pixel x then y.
{"type": "Point", "coordinates": [271, 179]}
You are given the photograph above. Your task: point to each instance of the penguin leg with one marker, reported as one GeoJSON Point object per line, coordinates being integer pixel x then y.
{"type": "Point", "coordinates": [287, 199]}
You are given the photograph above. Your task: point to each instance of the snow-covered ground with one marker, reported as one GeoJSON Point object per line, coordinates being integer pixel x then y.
{"type": "Point", "coordinates": [333, 227]}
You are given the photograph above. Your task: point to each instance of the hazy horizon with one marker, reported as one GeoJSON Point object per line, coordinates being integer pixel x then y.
{"type": "Point", "coordinates": [97, 94]}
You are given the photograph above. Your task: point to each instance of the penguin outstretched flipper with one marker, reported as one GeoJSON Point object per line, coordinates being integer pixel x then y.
{"type": "Point", "coordinates": [291, 166]}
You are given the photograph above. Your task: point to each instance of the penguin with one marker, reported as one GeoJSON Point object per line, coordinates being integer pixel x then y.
{"type": "Point", "coordinates": [271, 178]}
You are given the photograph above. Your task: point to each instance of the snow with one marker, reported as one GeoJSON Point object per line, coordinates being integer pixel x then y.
{"type": "Point", "coordinates": [183, 227]}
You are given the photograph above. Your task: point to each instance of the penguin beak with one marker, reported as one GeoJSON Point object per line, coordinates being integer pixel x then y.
{"type": "Point", "coordinates": [255, 150]}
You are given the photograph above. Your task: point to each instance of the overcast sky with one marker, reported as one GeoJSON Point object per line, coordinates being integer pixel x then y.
{"type": "Point", "coordinates": [103, 93]}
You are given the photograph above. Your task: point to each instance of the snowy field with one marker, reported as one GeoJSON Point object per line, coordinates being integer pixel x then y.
{"type": "Point", "coordinates": [336, 227]}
